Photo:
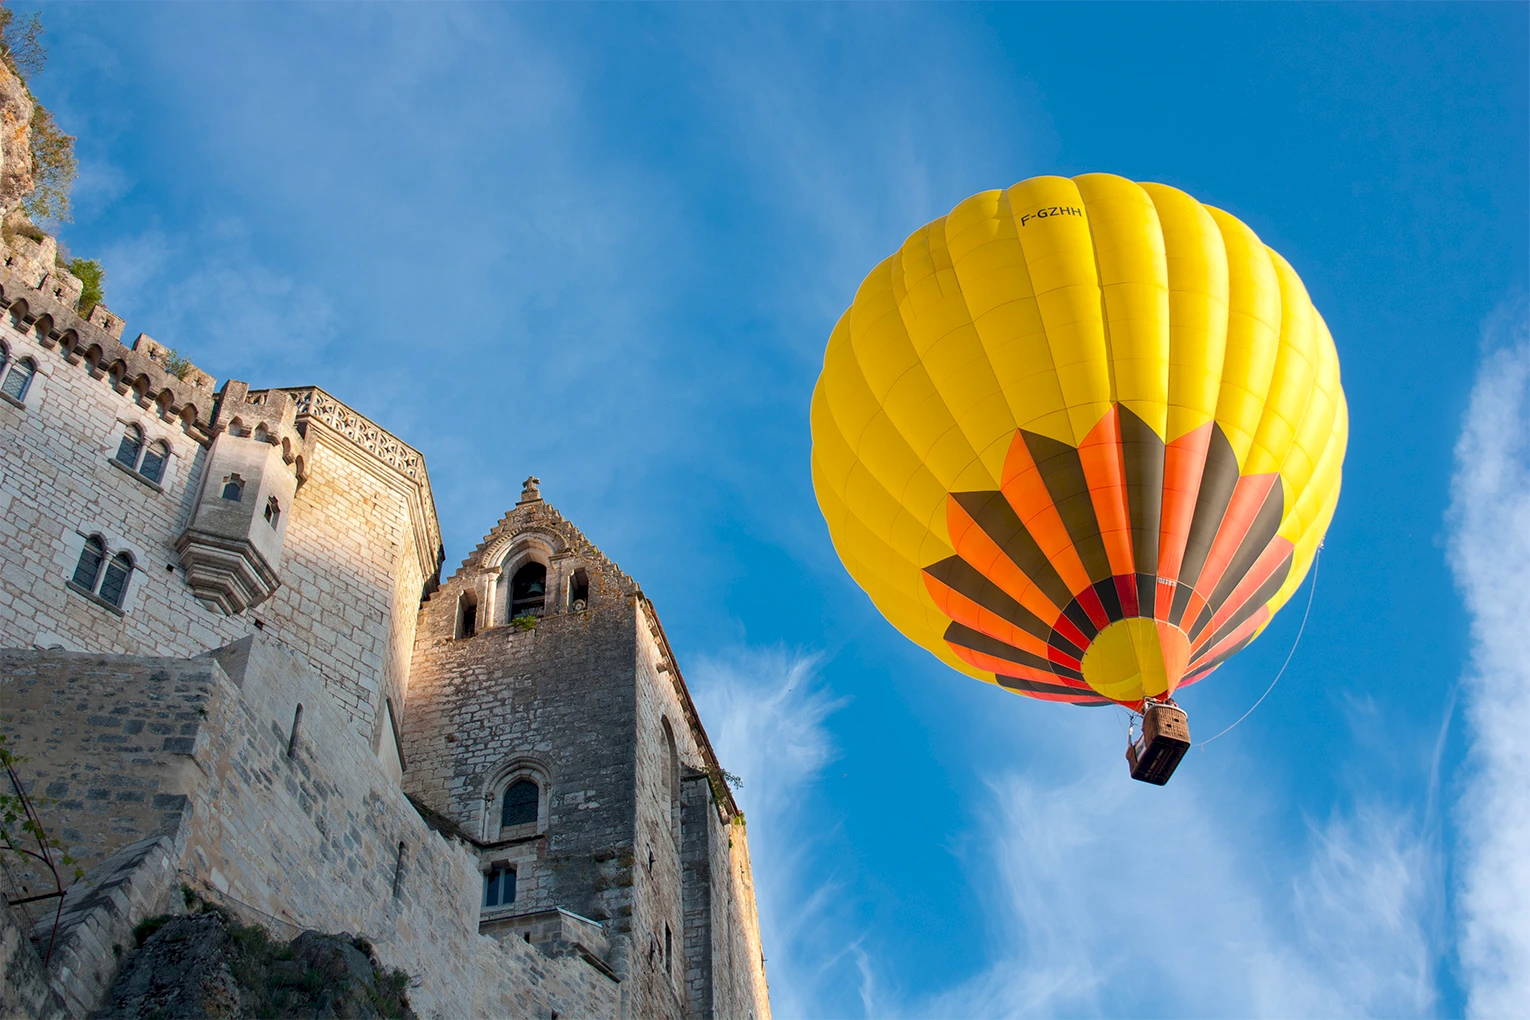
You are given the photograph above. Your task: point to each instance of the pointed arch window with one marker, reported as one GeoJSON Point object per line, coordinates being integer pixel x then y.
{"type": "Point", "coordinates": [521, 803]}
{"type": "Point", "coordinates": [103, 580]}
{"type": "Point", "coordinates": [88, 569]}
{"type": "Point", "coordinates": [130, 447]}
{"type": "Point", "coordinates": [154, 458]}
{"type": "Point", "coordinates": [233, 488]}
{"type": "Point", "coordinates": [146, 461]}
{"type": "Point", "coordinates": [114, 584]}
{"type": "Point", "coordinates": [528, 591]}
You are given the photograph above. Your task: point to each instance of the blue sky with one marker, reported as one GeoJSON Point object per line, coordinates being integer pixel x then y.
{"type": "Point", "coordinates": [606, 244]}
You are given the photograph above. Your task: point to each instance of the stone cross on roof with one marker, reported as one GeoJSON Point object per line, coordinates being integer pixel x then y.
{"type": "Point", "coordinates": [529, 491]}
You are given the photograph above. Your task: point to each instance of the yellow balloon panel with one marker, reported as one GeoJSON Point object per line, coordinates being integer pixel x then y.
{"type": "Point", "coordinates": [1080, 437]}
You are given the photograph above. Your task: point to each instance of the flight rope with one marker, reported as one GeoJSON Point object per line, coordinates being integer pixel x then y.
{"type": "Point", "coordinates": [1311, 591]}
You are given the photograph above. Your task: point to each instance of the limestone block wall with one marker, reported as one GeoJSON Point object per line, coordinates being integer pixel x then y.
{"type": "Point", "coordinates": [352, 571]}
{"type": "Point", "coordinates": [312, 839]}
{"type": "Point", "coordinates": [557, 698]}
{"type": "Point", "coordinates": [703, 878]}
{"type": "Point", "coordinates": [658, 912]}
{"type": "Point", "coordinates": [59, 483]}
{"type": "Point", "coordinates": [111, 741]}
{"type": "Point", "coordinates": [351, 585]}
{"type": "Point", "coordinates": [518, 980]}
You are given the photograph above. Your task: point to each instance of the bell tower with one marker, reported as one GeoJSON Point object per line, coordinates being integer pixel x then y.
{"type": "Point", "coordinates": [549, 726]}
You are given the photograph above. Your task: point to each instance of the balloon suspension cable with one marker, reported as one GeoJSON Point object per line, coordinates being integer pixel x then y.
{"type": "Point", "coordinates": [1311, 591]}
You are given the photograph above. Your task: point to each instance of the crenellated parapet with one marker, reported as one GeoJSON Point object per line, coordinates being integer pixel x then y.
{"type": "Point", "coordinates": [40, 300]}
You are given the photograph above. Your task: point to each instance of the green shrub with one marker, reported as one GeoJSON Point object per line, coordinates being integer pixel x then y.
{"type": "Point", "coordinates": [92, 274]}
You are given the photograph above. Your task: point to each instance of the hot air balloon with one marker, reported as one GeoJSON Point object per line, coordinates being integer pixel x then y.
{"type": "Point", "coordinates": [1081, 438]}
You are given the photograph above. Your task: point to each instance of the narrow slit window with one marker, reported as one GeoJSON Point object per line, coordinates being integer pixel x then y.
{"type": "Point", "coordinates": [273, 511]}
{"type": "Point", "coordinates": [88, 570]}
{"type": "Point", "coordinates": [499, 887]}
{"type": "Point", "coordinates": [297, 718]}
{"type": "Point", "coordinates": [521, 803]}
{"type": "Point", "coordinates": [114, 584]}
{"type": "Point", "coordinates": [19, 379]}
{"type": "Point", "coordinates": [398, 872]}
{"type": "Point", "coordinates": [132, 443]}
{"type": "Point", "coordinates": [233, 488]}
{"type": "Point", "coordinates": [154, 458]}
{"type": "Point", "coordinates": [579, 590]}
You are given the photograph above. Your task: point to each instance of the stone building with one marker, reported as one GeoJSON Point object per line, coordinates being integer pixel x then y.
{"type": "Point", "coordinates": [232, 667]}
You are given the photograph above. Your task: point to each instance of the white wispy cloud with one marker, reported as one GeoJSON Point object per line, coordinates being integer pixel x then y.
{"type": "Point", "coordinates": [766, 713]}
{"type": "Point", "coordinates": [1490, 554]}
{"type": "Point", "coordinates": [1105, 906]}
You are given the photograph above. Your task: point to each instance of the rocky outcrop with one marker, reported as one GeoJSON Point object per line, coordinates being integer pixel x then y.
{"type": "Point", "coordinates": [206, 967]}
{"type": "Point", "coordinates": [15, 141]}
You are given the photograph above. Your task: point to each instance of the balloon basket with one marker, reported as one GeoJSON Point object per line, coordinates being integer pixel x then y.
{"type": "Point", "coordinates": [1155, 755]}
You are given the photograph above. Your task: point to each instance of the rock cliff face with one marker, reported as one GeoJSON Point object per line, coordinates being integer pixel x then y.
{"type": "Point", "coordinates": [202, 966]}
{"type": "Point", "coordinates": [15, 141]}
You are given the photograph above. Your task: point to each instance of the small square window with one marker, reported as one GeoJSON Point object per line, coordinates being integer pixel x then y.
{"type": "Point", "coordinates": [499, 887]}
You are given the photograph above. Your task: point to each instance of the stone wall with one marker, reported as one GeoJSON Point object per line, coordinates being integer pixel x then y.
{"type": "Point", "coordinates": [310, 840]}
{"type": "Point", "coordinates": [59, 483]}
{"type": "Point", "coordinates": [24, 987]}
{"type": "Point", "coordinates": [361, 537]}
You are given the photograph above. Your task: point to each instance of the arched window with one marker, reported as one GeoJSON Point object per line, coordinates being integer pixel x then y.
{"type": "Point", "coordinates": [521, 803]}
{"type": "Point", "coordinates": [114, 584]}
{"type": "Point", "coordinates": [88, 570]}
{"type": "Point", "coordinates": [273, 511]}
{"type": "Point", "coordinates": [528, 591]}
{"type": "Point", "coordinates": [131, 446]}
{"type": "Point", "coordinates": [672, 780]}
{"type": "Point", "coordinates": [578, 591]}
{"type": "Point", "coordinates": [233, 488]}
{"type": "Point", "coordinates": [154, 458]}
{"type": "Point", "coordinates": [18, 379]}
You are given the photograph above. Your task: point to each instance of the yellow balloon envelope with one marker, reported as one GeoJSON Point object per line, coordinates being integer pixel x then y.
{"type": "Point", "coordinates": [1080, 438]}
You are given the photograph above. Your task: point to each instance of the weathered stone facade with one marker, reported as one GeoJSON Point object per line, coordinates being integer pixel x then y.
{"type": "Point", "coordinates": [271, 702]}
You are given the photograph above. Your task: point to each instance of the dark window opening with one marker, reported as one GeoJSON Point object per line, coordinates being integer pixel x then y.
{"type": "Point", "coordinates": [273, 511]}
{"type": "Point", "coordinates": [233, 488]}
{"type": "Point", "coordinates": [132, 442]}
{"type": "Point", "coordinates": [520, 803]}
{"type": "Point", "coordinates": [669, 947]}
{"type": "Point", "coordinates": [499, 888]}
{"type": "Point", "coordinates": [579, 590]}
{"type": "Point", "coordinates": [398, 873]}
{"type": "Point", "coordinates": [467, 615]}
{"type": "Point", "coordinates": [297, 717]}
{"type": "Point", "coordinates": [672, 781]}
{"type": "Point", "coordinates": [528, 591]}
{"type": "Point", "coordinates": [114, 584]}
{"type": "Point", "coordinates": [89, 568]}
{"type": "Point", "coordinates": [153, 467]}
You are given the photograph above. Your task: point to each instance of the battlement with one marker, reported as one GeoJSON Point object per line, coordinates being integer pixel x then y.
{"type": "Point", "coordinates": [43, 306]}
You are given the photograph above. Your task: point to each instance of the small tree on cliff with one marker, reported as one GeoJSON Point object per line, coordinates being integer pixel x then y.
{"type": "Point", "coordinates": [54, 167]}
